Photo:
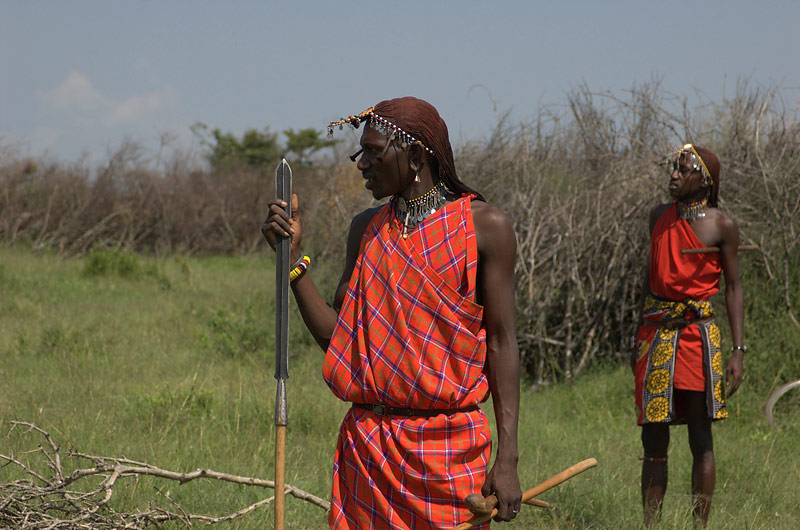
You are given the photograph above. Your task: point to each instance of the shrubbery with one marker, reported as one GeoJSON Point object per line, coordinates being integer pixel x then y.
{"type": "Point", "coordinates": [577, 183]}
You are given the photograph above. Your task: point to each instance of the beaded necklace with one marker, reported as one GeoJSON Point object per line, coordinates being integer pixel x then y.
{"type": "Point", "coordinates": [413, 211]}
{"type": "Point", "coordinates": [692, 210]}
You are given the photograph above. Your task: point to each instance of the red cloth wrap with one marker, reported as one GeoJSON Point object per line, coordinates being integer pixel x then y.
{"type": "Point", "coordinates": [409, 334]}
{"type": "Point", "coordinates": [678, 277]}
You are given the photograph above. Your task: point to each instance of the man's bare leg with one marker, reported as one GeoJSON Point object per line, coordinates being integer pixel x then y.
{"type": "Point", "coordinates": [655, 440]}
{"type": "Point", "coordinates": [701, 443]}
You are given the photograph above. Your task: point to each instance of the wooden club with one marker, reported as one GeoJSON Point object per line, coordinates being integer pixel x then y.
{"type": "Point", "coordinates": [711, 250]}
{"type": "Point", "coordinates": [484, 508]}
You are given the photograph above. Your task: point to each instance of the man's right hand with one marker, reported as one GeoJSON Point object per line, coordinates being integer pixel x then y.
{"type": "Point", "coordinates": [279, 224]}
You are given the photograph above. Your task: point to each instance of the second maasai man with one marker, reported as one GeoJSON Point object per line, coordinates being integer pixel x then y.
{"type": "Point", "coordinates": [677, 359]}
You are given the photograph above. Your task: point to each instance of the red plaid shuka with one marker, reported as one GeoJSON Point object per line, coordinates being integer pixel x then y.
{"type": "Point", "coordinates": [409, 334]}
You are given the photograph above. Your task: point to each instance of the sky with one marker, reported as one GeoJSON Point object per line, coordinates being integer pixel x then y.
{"type": "Point", "coordinates": [78, 77]}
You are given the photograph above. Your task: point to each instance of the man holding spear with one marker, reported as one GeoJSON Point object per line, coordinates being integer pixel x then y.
{"type": "Point", "coordinates": [420, 332]}
{"type": "Point", "coordinates": [677, 358]}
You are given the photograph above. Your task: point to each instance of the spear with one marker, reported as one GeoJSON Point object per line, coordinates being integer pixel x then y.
{"type": "Point", "coordinates": [283, 191]}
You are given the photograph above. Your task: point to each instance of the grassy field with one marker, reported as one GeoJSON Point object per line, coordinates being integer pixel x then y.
{"type": "Point", "coordinates": [169, 361]}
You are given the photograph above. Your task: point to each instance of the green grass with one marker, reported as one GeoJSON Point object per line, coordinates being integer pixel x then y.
{"type": "Point", "coordinates": [170, 361]}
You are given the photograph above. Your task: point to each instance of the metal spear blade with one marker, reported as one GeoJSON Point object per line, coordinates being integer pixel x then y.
{"type": "Point", "coordinates": [283, 191]}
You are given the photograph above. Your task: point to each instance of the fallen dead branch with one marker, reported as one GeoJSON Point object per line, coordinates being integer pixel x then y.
{"type": "Point", "coordinates": [59, 500]}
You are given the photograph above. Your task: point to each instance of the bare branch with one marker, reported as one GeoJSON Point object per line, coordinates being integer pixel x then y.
{"type": "Point", "coordinates": [60, 502]}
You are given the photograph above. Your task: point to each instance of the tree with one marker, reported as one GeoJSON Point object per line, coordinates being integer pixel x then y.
{"type": "Point", "coordinates": [304, 143]}
{"type": "Point", "coordinates": [258, 148]}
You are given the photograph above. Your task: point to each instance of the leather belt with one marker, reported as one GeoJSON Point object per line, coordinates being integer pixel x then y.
{"type": "Point", "coordinates": [385, 410]}
{"type": "Point", "coordinates": [676, 323]}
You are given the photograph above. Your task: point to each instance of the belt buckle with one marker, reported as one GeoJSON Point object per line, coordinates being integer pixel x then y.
{"type": "Point", "coordinates": [380, 410]}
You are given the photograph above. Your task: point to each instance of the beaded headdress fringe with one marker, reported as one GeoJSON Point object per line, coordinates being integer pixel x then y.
{"type": "Point", "coordinates": [381, 124]}
{"type": "Point", "coordinates": [693, 157]}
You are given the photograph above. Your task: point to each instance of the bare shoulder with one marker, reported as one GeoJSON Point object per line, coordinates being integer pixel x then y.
{"type": "Point", "coordinates": [723, 220]}
{"type": "Point", "coordinates": [492, 226]}
{"type": "Point", "coordinates": [725, 225]}
{"type": "Point", "coordinates": [359, 223]}
{"type": "Point", "coordinates": [488, 217]}
{"type": "Point", "coordinates": [358, 226]}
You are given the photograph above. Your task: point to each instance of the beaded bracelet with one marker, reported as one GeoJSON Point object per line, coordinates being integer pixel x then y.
{"type": "Point", "coordinates": [299, 268]}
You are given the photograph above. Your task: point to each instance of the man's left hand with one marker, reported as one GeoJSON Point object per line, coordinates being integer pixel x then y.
{"type": "Point", "coordinates": [503, 482]}
{"type": "Point", "coordinates": [734, 372]}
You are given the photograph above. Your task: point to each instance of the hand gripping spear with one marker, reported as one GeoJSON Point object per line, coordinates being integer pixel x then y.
{"type": "Point", "coordinates": [283, 191]}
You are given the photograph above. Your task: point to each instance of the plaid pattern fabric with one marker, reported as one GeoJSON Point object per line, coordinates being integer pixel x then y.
{"type": "Point", "coordinates": [410, 335]}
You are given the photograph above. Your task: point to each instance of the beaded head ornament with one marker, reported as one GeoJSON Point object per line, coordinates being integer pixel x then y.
{"type": "Point", "coordinates": [396, 119]}
{"type": "Point", "coordinates": [409, 120]}
{"type": "Point", "coordinates": [695, 161]}
{"type": "Point", "coordinates": [381, 124]}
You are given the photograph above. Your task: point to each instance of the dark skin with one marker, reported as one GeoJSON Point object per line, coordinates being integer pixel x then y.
{"type": "Point", "coordinates": [390, 170]}
{"type": "Point", "coordinates": [715, 229]}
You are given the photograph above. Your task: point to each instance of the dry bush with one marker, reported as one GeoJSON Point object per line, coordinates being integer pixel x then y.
{"type": "Point", "coordinates": [577, 183]}
{"type": "Point", "coordinates": [758, 135]}
{"type": "Point", "coordinates": [578, 186]}
{"type": "Point", "coordinates": [127, 203]}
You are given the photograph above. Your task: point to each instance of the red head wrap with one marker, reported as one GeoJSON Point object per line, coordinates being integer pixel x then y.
{"type": "Point", "coordinates": [415, 120]}
{"type": "Point", "coordinates": [712, 164]}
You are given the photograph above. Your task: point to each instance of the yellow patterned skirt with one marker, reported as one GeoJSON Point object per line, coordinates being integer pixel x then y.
{"type": "Point", "coordinates": [657, 342]}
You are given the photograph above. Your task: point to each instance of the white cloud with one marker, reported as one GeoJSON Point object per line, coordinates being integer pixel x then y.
{"type": "Point", "coordinates": [137, 106]}
{"type": "Point", "coordinates": [77, 96]}
{"type": "Point", "coordinates": [76, 92]}
{"type": "Point", "coordinates": [75, 116]}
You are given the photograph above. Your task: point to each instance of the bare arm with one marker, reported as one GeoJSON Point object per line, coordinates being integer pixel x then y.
{"type": "Point", "coordinates": [734, 299]}
{"type": "Point", "coordinates": [318, 316]}
{"type": "Point", "coordinates": [497, 248]}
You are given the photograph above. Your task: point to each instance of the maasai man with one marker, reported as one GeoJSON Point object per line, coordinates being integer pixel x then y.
{"type": "Point", "coordinates": [420, 332]}
{"type": "Point", "coordinates": [677, 357]}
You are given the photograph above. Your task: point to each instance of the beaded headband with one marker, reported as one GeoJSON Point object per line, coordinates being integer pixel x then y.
{"type": "Point", "coordinates": [694, 159]}
{"type": "Point", "coordinates": [379, 123]}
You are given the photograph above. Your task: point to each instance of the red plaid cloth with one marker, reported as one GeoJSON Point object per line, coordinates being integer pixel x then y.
{"type": "Point", "coordinates": [410, 335]}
